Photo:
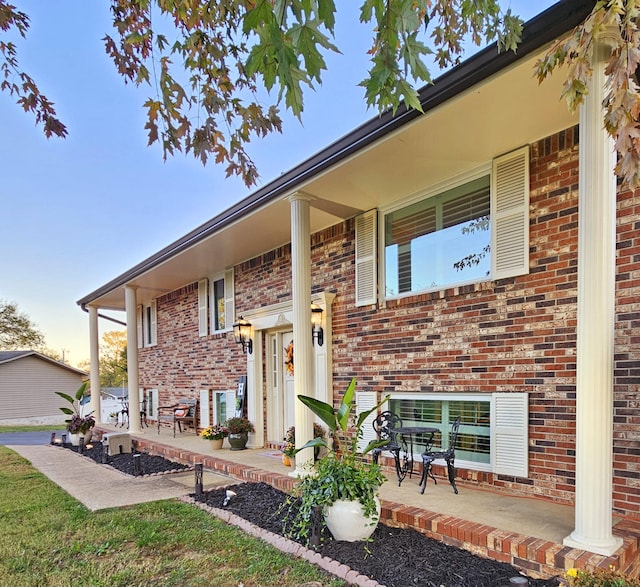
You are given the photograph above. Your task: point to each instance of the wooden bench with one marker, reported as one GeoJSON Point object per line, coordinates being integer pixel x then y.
{"type": "Point", "coordinates": [184, 411]}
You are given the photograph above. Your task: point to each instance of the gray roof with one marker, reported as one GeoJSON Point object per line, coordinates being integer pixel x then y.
{"type": "Point", "coordinates": [8, 356]}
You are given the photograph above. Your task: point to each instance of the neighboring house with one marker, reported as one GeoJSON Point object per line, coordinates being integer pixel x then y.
{"type": "Point", "coordinates": [442, 249]}
{"type": "Point", "coordinates": [28, 382]}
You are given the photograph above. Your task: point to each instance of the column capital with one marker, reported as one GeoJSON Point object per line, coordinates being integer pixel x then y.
{"type": "Point", "coordinates": [300, 196]}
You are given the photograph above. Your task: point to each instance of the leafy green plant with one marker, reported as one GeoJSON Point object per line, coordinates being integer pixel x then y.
{"type": "Point", "coordinates": [599, 578]}
{"type": "Point", "coordinates": [342, 473]}
{"type": "Point", "coordinates": [77, 423]}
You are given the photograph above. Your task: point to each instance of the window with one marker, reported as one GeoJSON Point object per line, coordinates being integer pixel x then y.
{"type": "Point", "coordinates": [224, 406]}
{"type": "Point", "coordinates": [222, 302]}
{"type": "Point", "coordinates": [439, 241]}
{"type": "Point", "coordinates": [147, 324]}
{"type": "Point", "coordinates": [474, 437]}
{"type": "Point", "coordinates": [493, 433]}
{"type": "Point", "coordinates": [477, 229]}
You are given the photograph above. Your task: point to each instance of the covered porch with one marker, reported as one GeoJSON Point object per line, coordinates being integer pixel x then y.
{"type": "Point", "coordinates": [477, 520]}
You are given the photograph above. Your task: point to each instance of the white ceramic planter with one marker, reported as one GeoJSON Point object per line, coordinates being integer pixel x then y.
{"type": "Point", "coordinates": [74, 439]}
{"type": "Point", "coordinates": [346, 520]}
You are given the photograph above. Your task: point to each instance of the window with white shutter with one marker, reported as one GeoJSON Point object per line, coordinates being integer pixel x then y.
{"type": "Point", "coordinates": [203, 307]}
{"type": "Point", "coordinates": [147, 324]}
{"type": "Point", "coordinates": [473, 230]}
{"type": "Point", "coordinates": [222, 301]}
{"type": "Point", "coordinates": [493, 432]}
{"type": "Point", "coordinates": [366, 258]}
{"type": "Point", "coordinates": [139, 330]}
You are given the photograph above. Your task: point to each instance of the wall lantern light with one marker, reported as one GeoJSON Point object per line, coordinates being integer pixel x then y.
{"type": "Point", "coordinates": [317, 334]}
{"type": "Point", "coordinates": [242, 333]}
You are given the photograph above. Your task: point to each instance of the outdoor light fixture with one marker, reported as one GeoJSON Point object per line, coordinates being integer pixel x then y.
{"type": "Point", "coordinates": [316, 330]}
{"type": "Point", "coordinates": [242, 332]}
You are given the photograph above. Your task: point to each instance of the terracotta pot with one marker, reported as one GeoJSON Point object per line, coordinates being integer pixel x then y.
{"type": "Point", "coordinates": [216, 444]}
{"type": "Point", "coordinates": [286, 460]}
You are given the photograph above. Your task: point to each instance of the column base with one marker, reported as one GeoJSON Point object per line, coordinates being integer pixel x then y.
{"type": "Point", "coordinates": [603, 547]}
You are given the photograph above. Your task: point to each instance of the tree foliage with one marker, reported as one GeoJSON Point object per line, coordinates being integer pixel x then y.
{"type": "Point", "coordinates": [614, 24]}
{"type": "Point", "coordinates": [207, 61]}
{"type": "Point", "coordinates": [17, 332]}
{"type": "Point", "coordinates": [113, 359]}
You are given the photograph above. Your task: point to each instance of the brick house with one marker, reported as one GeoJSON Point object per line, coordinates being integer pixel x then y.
{"type": "Point", "coordinates": [445, 273]}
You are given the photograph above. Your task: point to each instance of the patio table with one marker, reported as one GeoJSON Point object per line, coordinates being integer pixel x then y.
{"type": "Point", "coordinates": [405, 435]}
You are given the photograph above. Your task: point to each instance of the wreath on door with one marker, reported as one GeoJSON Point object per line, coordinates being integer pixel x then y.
{"type": "Point", "coordinates": [288, 361]}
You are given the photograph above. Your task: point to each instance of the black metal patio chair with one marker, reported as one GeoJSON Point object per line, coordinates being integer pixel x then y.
{"type": "Point", "coordinates": [448, 455]}
{"type": "Point", "coordinates": [383, 426]}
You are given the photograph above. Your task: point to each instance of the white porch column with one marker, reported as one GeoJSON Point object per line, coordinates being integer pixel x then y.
{"type": "Point", "coordinates": [94, 363]}
{"type": "Point", "coordinates": [303, 350]}
{"type": "Point", "coordinates": [131, 306]}
{"type": "Point", "coordinates": [596, 298]}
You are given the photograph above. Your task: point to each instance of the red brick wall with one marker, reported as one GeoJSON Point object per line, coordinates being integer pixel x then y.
{"type": "Point", "coordinates": [509, 335]}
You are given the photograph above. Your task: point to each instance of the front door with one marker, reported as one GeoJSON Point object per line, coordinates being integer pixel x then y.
{"type": "Point", "coordinates": [281, 401]}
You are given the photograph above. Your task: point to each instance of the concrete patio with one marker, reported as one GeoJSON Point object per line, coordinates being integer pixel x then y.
{"type": "Point", "coordinates": [527, 533]}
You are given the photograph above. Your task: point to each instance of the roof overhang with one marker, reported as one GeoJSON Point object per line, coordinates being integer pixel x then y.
{"type": "Point", "coordinates": [486, 106]}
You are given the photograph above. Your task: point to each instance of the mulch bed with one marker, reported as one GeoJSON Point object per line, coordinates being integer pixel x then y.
{"type": "Point", "coordinates": [394, 557]}
{"type": "Point", "coordinates": [149, 464]}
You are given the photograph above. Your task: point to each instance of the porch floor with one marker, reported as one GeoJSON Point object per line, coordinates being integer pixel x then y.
{"type": "Point", "coordinates": [524, 532]}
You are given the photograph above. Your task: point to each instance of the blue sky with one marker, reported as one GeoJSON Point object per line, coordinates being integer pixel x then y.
{"type": "Point", "coordinates": [76, 213]}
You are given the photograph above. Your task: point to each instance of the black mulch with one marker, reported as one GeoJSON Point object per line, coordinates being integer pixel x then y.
{"type": "Point", "coordinates": [149, 464]}
{"type": "Point", "coordinates": [395, 557]}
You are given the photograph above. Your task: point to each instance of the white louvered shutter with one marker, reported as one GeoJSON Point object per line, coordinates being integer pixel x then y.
{"type": "Point", "coordinates": [510, 214]}
{"type": "Point", "coordinates": [203, 309]}
{"type": "Point", "coordinates": [205, 417]}
{"type": "Point", "coordinates": [366, 400]}
{"type": "Point", "coordinates": [139, 329]}
{"type": "Point", "coordinates": [366, 258]}
{"type": "Point", "coordinates": [154, 324]}
{"type": "Point", "coordinates": [229, 305]}
{"type": "Point", "coordinates": [510, 432]}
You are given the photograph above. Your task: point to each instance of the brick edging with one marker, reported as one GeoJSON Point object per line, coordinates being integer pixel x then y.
{"type": "Point", "coordinates": [287, 546]}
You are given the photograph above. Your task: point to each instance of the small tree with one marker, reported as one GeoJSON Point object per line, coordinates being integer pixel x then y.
{"type": "Point", "coordinates": [17, 332]}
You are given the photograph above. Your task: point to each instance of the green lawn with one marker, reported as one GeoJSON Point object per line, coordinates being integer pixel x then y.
{"type": "Point", "coordinates": [47, 538]}
{"type": "Point", "coordinates": [32, 428]}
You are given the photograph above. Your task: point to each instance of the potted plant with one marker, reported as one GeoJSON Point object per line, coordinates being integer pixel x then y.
{"type": "Point", "coordinates": [77, 424]}
{"type": "Point", "coordinates": [343, 484]}
{"type": "Point", "coordinates": [113, 417]}
{"type": "Point", "coordinates": [216, 434]}
{"type": "Point", "coordinates": [239, 429]}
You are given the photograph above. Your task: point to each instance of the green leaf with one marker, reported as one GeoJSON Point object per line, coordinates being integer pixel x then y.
{"type": "Point", "coordinates": [346, 404]}
{"type": "Point", "coordinates": [321, 409]}
{"type": "Point", "coordinates": [65, 396]}
{"type": "Point", "coordinates": [261, 15]}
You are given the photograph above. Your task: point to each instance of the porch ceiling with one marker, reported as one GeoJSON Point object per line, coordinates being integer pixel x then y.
{"type": "Point", "coordinates": [500, 114]}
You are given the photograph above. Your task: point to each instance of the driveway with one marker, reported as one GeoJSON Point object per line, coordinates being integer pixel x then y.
{"type": "Point", "coordinates": [28, 438]}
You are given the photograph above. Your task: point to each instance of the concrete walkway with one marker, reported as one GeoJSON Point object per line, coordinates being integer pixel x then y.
{"type": "Point", "coordinates": [100, 486]}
